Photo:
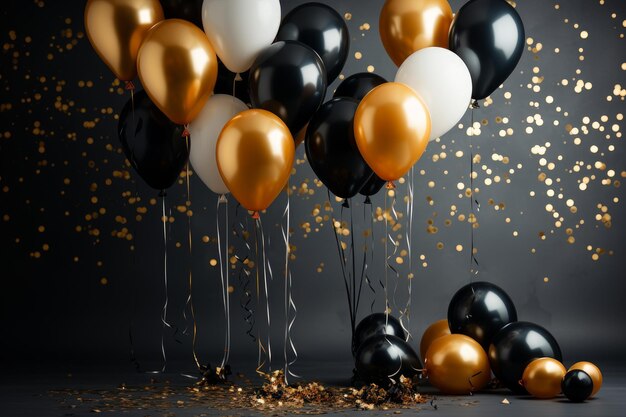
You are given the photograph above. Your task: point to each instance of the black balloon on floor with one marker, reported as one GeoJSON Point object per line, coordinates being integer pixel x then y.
{"type": "Point", "coordinates": [384, 358]}
{"type": "Point", "coordinates": [377, 324]}
{"type": "Point", "coordinates": [332, 151]}
{"type": "Point", "coordinates": [321, 28]}
{"type": "Point", "coordinates": [577, 385]}
{"type": "Point", "coordinates": [479, 310]}
{"type": "Point", "coordinates": [515, 346]}
{"type": "Point", "coordinates": [358, 85]}
{"type": "Point", "coordinates": [151, 142]}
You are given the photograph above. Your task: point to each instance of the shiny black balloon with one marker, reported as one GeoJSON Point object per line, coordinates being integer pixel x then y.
{"type": "Point", "coordinates": [383, 358]}
{"type": "Point", "coordinates": [332, 151]}
{"type": "Point", "coordinates": [190, 10]}
{"type": "Point", "coordinates": [372, 186]}
{"type": "Point", "coordinates": [226, 82]}
{"type": "Point", "coordinates": [358, 85]}
{"type": "Point", "coordinates": [489, 37]}
{"type": "Point", "coordinates": [152, 143]}
{"type": "Point", "coordinates": [577, 385]}
{"type": "Point", "coordinates": [377, 324]}
{"type": "Point", "coordinates": [288, 79]}
{"type": "Point", "coordinates": [515, 346]}
{"type": "Point", "coordinates": [323, 29]}
{"type": "Point", "coordinates": [479, 310]}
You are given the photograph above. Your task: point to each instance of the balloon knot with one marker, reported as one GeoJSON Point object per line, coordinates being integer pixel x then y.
{"type": "Point", "coordinates": [238, 77]}
{"type": "Point", "coordinates": [185, 133]}
{"type": "Point", "coordinates": [346, 203]}
{"type": "Point", "coordinates": [474, 104]}
{"type": "Point", "coordinates": [223, 199]}
{"type": "Point", "coordinates": [390, 185]}
{"type": "Point", "coordinates": [367, 200]}
{"type": "Point", "coordinates": [129, 85]}
{"type": "Point", "coordinates": [162, 194]}
{"type": "Point", "coordinates": [256, 215]}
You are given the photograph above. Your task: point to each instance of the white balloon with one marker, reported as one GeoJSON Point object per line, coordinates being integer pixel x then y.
{"type": "Point", "coordinates": [204, 131]}
{"type": "Point", "coordinates": [443, 81]}
{"type": "Point", "coordinates": [240, 29]}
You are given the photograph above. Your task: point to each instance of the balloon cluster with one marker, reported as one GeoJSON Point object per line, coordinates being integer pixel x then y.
{"type": "Point", "coordinates": [482, 334]}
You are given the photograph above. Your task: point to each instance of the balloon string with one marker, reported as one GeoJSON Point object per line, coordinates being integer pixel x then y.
{"type": "Point", "coordinates": [267, 272]}
{"type": "Point", "coordinates": [386, 215]}
{"type": "Point", "coordinates": [244, 274]}
{"type": "Point", "coordinates": [223, 259]}
{"type": "Point", "coordinates": [264, 354]}
{"type": "Point", "coordinates": [357, 294]}
{"type": "Point", "coordinates": [289, 303]}
{"type": "Point", "coordinates": [409, 243]}
{"type": "Point", "coordinates": [368, 247]}
{"type": "Point", "coordinates": [342, 262]}
{"type": "Point", "coordinates": [474, 204]}
{"type": "Point", "coordinates": [396, 274]}
{"type": "Point", "coordinates": [135, 275]}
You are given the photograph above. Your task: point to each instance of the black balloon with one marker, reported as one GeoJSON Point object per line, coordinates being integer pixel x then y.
{"type": "Point", "coordinates": [152, 143]}
{"type": "Point", "coordinates": [225, 83]}
{"type": "Point", "coordinates": [515, 346]}
{"type": "Point", "coordinates": [323, 29]}
{"type": "Point", "coordinates": [190, 10]}
{"type": "Point", "coordinates": [358, 85]}
{"type": "Point", "coordinates": [372, 186]}
{"type": "Point", "coordinates": [288, 79]}
{"type": "Point", "coordinates": [489, 37]}
{"type": "Point", "coordinates": [577, 385]}
{"type": "Point", "coordinates": [332, 151]}
{"type": "Point", "coordinates": [383, 358]}
{"type": "Point", "coordinates": [377, 324]}
{"type": "Point", "coordinates": [479, 310]}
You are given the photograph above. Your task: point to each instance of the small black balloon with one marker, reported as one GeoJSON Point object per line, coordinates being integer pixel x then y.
{"type": "Point", "coordinates": [226, 83]}
{"type": "Point", "coordinates": [384, 358]}
{"type": "Point", "coordinates": [358, 85]}
{"type": "Point", "coordinates": [577, 385]}
{"type": "Point", "coordinates": [372, 186]}
{"type": "Point", "coordinates": [288, 79]}
{"type": "Point", "coordinates": [332, 151]}
{"type": "Point", "coordinates": [377, 324]}
{"type": "Point", "coordinates": [321, 28]}
{"type": "Point", "coordinates": [190, 10]}
{"type": "Point", "coordinates": [515, 346]}
{"type": "Point", "coordinates": [489, 37]}
{"type": "Point", "coordinates": [479, 310]}
{"type": "Point", "coordinates": [152, 143]}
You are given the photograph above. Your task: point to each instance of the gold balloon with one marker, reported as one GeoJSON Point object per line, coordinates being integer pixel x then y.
{"type": "Point", "coordinates": [178, 69]}
{"type": "Point", "coordinates": [255, 154]}
{"type": "Point", "coordinates": [457, 364]}
{"type": "Point", "coordinates": [594, 373]}
{"type": "Point", "coordinates": [542, 378]}
{"type": "Point", "coordinates": [434, 331]}
{"type": "Point", "coordinates": [116, 29]}
{"type": "Point", "coordinates": [407, 26]}
{"type": "Point", "coordinates": [391, 128]}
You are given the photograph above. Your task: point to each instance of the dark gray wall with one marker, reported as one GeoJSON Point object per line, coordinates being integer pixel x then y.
{"type": "Point", "coordinates": [54, 306]}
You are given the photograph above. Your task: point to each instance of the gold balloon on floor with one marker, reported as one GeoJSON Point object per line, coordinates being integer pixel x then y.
{"type": "Point", "coordinates": [434, 331]}
{"type": "Point", "coordinates": [407, 26]}
{"type": "Point", "coordinates": [542, 377]}
{"type": "Point", "coordinates": [255, 154]}
{"type": "Point", "coordinates": [391, 128]}
{"type": "Point", "coordinates": [116, 29]}
{"type": "Point", "coordinates": [178, 69]}
{"type": "Point", "coordinates": [457, 364]}
{"type": "Point", "coordinates": [594, 373]}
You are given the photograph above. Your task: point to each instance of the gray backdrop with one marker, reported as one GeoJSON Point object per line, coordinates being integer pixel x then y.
{"type": "Point", "coordinates": [59, 150]}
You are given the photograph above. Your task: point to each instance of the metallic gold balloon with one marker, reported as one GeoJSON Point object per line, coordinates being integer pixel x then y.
{"type": "Point", "coordinates": [116, 29]}
{"type": "Point", "coordinates": [255, 154]}
{"type": "Point", "coordinates": [178, 68]}
{"type": "Point", "coordinates": [457, 364]}
{"type": "Point", "coordinates": [594, 373]}
{"type": "Point", "coordinates": [434, 331]}
{"type": "Point", "coordinates": [391, 128]}
{"type": "Point", "coordinates": [407, 26]}
{"type": "Point", "coordinates": [542, 377]}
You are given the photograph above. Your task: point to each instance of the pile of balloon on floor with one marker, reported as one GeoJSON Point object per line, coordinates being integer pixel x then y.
{"type": "Point", "coordinates": [481, 335]}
